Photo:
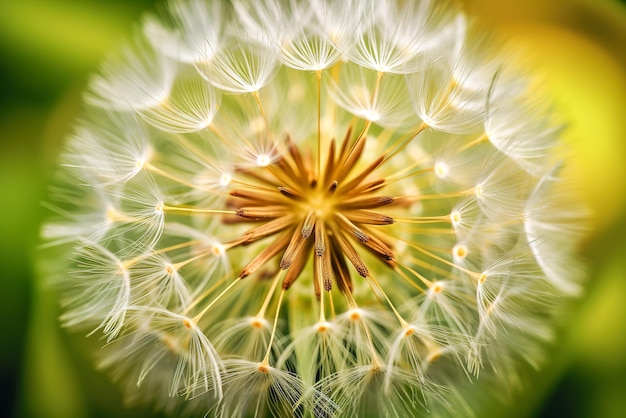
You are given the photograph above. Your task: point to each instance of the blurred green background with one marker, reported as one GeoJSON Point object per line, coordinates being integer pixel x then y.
{"type": "Point", "coordinates": [48, 49]}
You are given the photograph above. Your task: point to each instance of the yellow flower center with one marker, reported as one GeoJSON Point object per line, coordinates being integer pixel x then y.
{"type": "Point", "coordinates": [328, 210]}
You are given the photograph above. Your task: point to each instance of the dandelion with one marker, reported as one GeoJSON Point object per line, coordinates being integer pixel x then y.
{"type": "Point", "coordinates": [314, 208]}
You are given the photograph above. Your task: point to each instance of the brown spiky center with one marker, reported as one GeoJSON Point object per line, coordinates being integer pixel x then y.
{"type": "Point", "coordinates": [329, 211]}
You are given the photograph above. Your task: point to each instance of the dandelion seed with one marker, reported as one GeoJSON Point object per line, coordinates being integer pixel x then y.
{"type": "Point", "coordinates": [291, 208]}
{"type": "Point", "coordinates": [270, 392]}
{"type": "Point", "coordinates": [166, 353]}
{"type": "Point", "coordinates": [98, 268]}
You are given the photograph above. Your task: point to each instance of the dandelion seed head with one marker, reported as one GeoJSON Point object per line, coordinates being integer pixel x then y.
{"type": "Point", "coordinates": [170, 269]}
{"type": "Point", "coordinates": [322, 327]}
{"type": "Point", "coordinates": [263, 160]}
{"type": "Point", "coordinates": [354, 314]}
{"type": "Point", "coordinates": [159, 208]}
{"type": "Point", "coordinates": [218, 249]}
{"type": "Point", "coordinates": [436, 287]}
{"type": "Point", "coordinates": [408, 331]}
{"type": "Point", "coordinates": [456, 217]}
{"type": "Point", "coordinates": [460, 251]}
{"type": "Point", "coordinates": [112, 215]}
{"type": "Point", "coordinates": [314, 208]}
{"type": "Point", "coordinates": [257, 322]}
{"type": "Point", "coordinates": [225, 179]}
{"type": "Point", "coordinates": [441, 169]}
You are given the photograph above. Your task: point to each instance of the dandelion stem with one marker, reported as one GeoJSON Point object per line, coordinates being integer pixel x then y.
{"type": "Point", "coordinates": [376, 286]}
{"type": "Point", "coordinates": [433, 268]}
{"type": "Point", "coordinates": [129, 263]}
{"type": "Point", "coordinates": [331, 303]}
{"type": "Point", "coordinates": [403, 144]}
{"type": "Point", "coordinates": [422, 219]}
{"type": "Point", "coordinates": [226, 141]}
{"type": "Point", "coordinates": [443, 260]}
{"type": "Point", "coordinates": [171, 176]}
{"type": "Point", "coordinates": [185, 142]}
{"type": "Point", "coordinates": [414, 273]}
{"type": "Point", "coordinates": [268, 296]}
{"type": "Point", "coordinates": [269, 345]}
{"type": "Point", "coordinates": [435, 196]}
{"type": "Point", "coordinates": [401, 175]}
{"type": "Point", "coordinates": [408, 279]}
{"type": "Point", "coordinates": [204, 294]}
{"type": "Point", "coordinates": [430, 231]}
{"type": "Point", "coordinates": [257, 97]}
{"type": "Point", "coordinates": [214, 301]}
{"type": "Point", "coordinates": [168, 208]}
{"type": "Point", "coordinates": [476, 141]}
{"type": "Point", "coordinates": [374, 96]}
{"type": "Point", "coordinates": [318, 75]}
{"type": "Point", "coordinates": [182, 264]}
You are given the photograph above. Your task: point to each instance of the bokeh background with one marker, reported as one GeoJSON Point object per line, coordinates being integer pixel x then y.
{"type": "Point", "coordinates": [48, 48]}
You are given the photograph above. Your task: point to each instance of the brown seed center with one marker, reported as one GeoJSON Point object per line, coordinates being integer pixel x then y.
{"type": "Point", "coordinates": [330, 213]}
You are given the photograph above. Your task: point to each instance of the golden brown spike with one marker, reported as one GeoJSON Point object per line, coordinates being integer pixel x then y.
{"type": "Point", "coordinates": [267, 229]}
{"type": "Point", "coordinates": [368, 217]}
{"type": "Point", "coordinates": [264, 256]}
{"type": "Point", "coordinates": [295, 245]}
{"type": "Point", "coordinates": [330, 163]}
{"type": "Point", "coordinates": [346, 166]}
{"type": "Point", "coordinates": [340, 268]}
{"type": "Point", "coordinates": [348, 250]}
{"type": "Point", "coordinates": [352, 228]}
{"type": "Point", "coordinates": [363, 174]}
{"type": "Point", "coordinates": [290, 193]}
{"type": "Point", "coordinates": [297, 266]}
{"type": "Point", "coordinates": [262, 212]}
{"type": "Point", "coordinates": [322, 270]}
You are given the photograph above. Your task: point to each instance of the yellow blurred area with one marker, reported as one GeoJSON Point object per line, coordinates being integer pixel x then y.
{"type": "Point", "coordinates": [47, 50]}
{"type": "Point", "coordinates": [578, 47]}
{"type": "Point", "coordinates": [585, 74]}
{"type": "Point", "coordinates": [589, 88]}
